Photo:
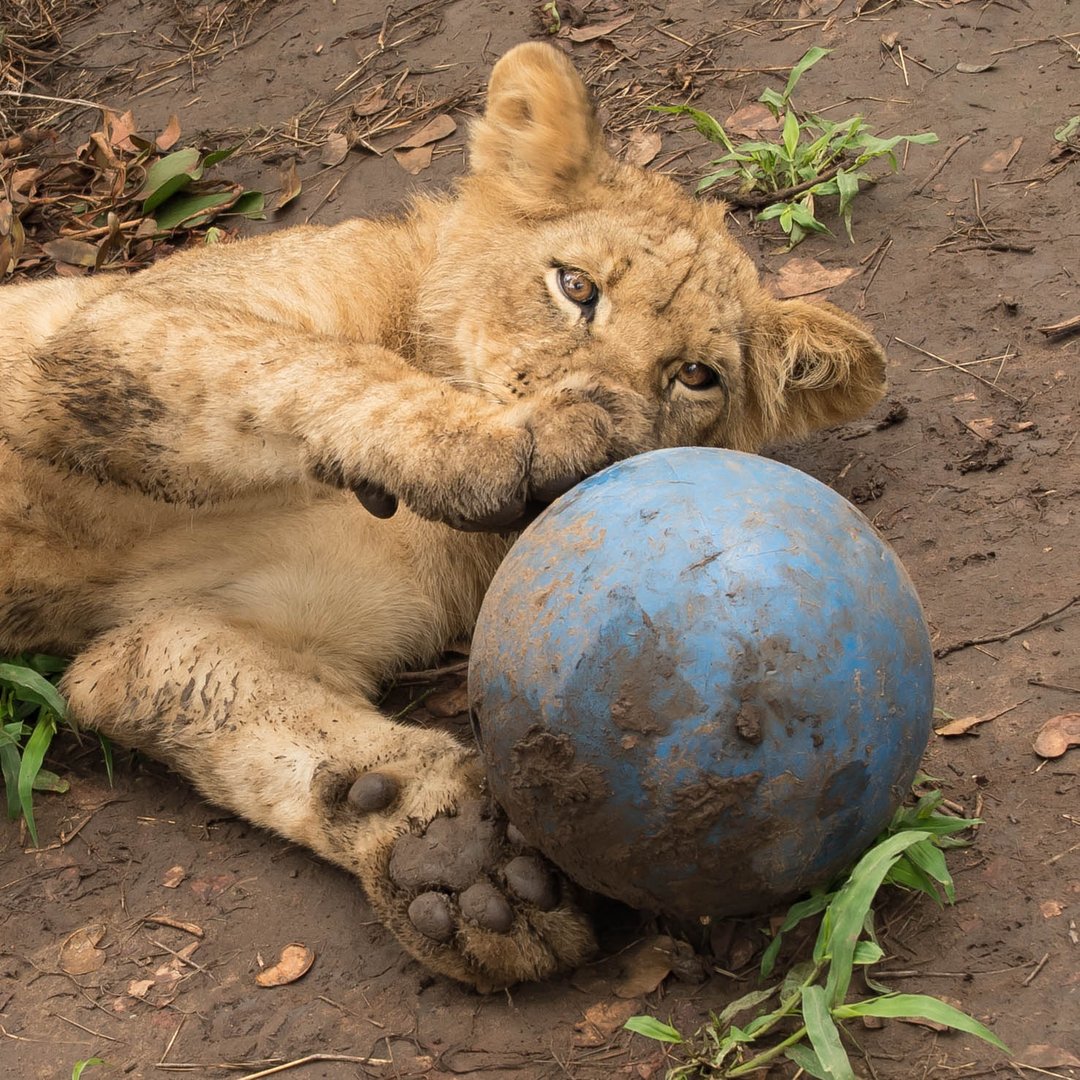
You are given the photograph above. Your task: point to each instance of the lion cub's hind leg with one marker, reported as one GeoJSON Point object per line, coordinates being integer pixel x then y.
{"type": "Point", "coordinates": [399, 806]}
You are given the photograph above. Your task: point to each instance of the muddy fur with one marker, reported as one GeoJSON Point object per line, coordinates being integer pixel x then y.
{"type": "Point", "coordinates": [177, 449]}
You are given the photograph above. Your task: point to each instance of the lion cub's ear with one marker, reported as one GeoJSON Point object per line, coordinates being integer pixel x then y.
{"type": "Point", "coordinates": [538, 146]}
{"type": "Point", "coordinates": [812, 366]}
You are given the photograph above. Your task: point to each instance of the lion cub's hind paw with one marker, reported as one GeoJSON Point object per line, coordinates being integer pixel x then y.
{"type": "Point", "coordinates": [473, 901]}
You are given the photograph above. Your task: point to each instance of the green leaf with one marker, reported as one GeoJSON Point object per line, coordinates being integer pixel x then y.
{"type": "Point", "coordinates": [791, 134]}
{"type": "Point", "coordinates": [251, 205]}
{"type": "Point", "coordinates": [848, 910]}
{"type": "Point", "coordinates": [79, 1066]}
{"type": "Point", "coordinates": [168, 175]}
{"type": "Point", "coordinates": [705, 124]}
{"type": "Point", "coordinates": [920, 1007]}
{"type": "Point", "coordinates": [825, 1036]}
{"type": "Point", "coordinates": [931, 861]}
{"type": "Point", "coordinates": [191, 210]}
{"type": "Point", "coordinates": [747, 1001]}
{"type": "Point", "coordinates": [28, 685]}
{"type": "Point", "coordinates": [49, 781]}
{"type": "Point", "coordinates": [809, 59]}
{"type": "Point", "coordinates": [10, 760]}
{"type": "Point", "coordinates": [652, 1028]}
{"type": "Point", "coordinates": [32, 756]}
{"type": "Point", "coordinates": [807, 1060]}
{"type": "Point", "coordinates": [867, 952]}
{"type": "Point", "coordinates": [773, 101]}
{"type": "Point", "coordinates": [804, 909]}
{"type": "Point", "coordinates": [215, 156]}
{"type": "Point", "coordinates": [847, 184]}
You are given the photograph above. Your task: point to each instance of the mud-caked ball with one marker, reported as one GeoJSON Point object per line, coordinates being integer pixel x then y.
{"type": "Point", "coordinates": [701, 682]}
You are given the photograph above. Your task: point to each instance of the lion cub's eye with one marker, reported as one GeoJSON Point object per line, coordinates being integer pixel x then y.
{"type": "Point", "coordinates": [576, 285]}
{"type": "Point", "coordinates": [697, 376]}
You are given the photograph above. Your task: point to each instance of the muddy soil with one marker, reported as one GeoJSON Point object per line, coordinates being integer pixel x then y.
{"type": "Point", "coordinates": [959, 260]}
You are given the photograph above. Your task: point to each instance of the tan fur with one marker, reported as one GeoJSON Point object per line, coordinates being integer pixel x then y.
{"type": "Point", "coordinates": [177, 449]}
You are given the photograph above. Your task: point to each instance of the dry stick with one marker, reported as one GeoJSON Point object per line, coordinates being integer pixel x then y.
{"type": "Point", "coordinates": [1061, 329]}
{"type": "Point", "coordinates": [1038, 967]}
{"type": "Point", "coordinates": [762, 199]}
{"type": "Point", "coordinates": [1004, 635]}
{"type": "Point", "coordinates": [881, 251]}
{"type": "Point", "coordinates": [318, 1057]}
{"type": "Point", "coordinates": [963, 370]}
{"type": "Point", "coordinates": [932, 174]}
{"type": "Point", "coordinates": [408, 678]}
{"type": "Point", "coordinates": [89, 1031]}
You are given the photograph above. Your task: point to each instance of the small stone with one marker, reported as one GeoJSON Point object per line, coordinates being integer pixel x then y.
{"type": "Point", "coordinates": [487, 907]}
{"type": "Point", "coordinates": [530, 878]}
{"type": "Point", "coordinates": [516, 836]}
{"type": "Point", "coordinates": [430, 913]}
{"type": "Point", "coordinates": [373, 791]}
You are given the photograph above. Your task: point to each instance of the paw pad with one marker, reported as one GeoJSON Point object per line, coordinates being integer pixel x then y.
{"type": "Point", "coordinates": [373, 791]}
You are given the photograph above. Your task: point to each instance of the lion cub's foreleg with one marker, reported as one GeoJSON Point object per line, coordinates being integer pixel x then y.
{"type": "Point", "coordinates": [400, 807]}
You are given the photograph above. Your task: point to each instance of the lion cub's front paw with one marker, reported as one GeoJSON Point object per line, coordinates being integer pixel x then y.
{"type": "Point", "coordinates": [467, 897]}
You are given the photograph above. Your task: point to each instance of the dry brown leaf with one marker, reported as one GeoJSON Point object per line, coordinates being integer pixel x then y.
{"type": "Point", "coordinates": [169, 137]}
{"type": "Point", "coordinates": [295, 961]}
{"type": "Point", "coordinates": [120, 128]}
{"type": "Point", "coordinates": [139, 988]}
{"type": "Point", "coordinates": [72, 252]}
{"type": "Point", "coordinates": [642, 146]}
{"type": "Point", "coordinates": [448, 703]}
{"type": "Point", "coordinates": [1042, 1056]}
{"type": "Point", "coordinates": [809, 8]}
{"type": "Point", "coordinates": [335, 149]}
{"type": "Point", "coordinates": [645, 967]}
{"type": "Point", "coordinates": [602, 1020]}
{"type": "Point", "coordinates": [1058, 734]}
{"type": "Point", "coordinates": [173, 876]}
{"type": "Point", "coordinates": [754, 121]}
{"type": "Point", "coordinates": [372, 103]}
{"type": "Point", "coordinates": [983, 426]}
{"type": "Point", "coordinates": [963, 725]}
{"type": "Point", "coordinates": [415, 160]}
{"type": "Point", "coordinates": [290, 185]}
{"type": "Point", "coordinates": [1051, 909]}
{"type": "Point", "coordinates": [804, 277]}
{"type": "Point", "coordinates": [79, 954]}
{"type": "Point", "coordinates": [1000, 160]}
{"type": "Point", "coordinates": [974, 69]}
{"type": "Point", "coordinates": [438, 127]}
{"type": "Point", "coordinates": [597, 30]}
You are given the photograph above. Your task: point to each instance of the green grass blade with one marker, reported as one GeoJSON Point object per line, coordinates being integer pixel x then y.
{"type": "Point", "coordinates": [10, 759]}
{"type": "Point", "coordinates": [28, 685]}
{"type": "Point", "coordinates": [747, 1001]}
{"type": "Point", "coordinates": [32, 756]}
{"type": "Point", "coordinates": [107, 754]}
{"type": "Point", "coordinates": [79, 1066]}
{"type": "Point", "coordinates": [46, 780]}
{"type": "Point", "coordinates": [848, 910]}
{"type": "Point", "coordinates": [652, 1028]}
{"type": "Point", "coordinates": [920, 1007]}
{"type": "Point", "coordinates": [825, 1036]}
{"type": "Point", "coordinates": [809, 59]}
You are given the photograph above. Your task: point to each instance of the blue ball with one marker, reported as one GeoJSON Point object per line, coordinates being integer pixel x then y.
{"type": "Point", "coordinates": [702, 683]}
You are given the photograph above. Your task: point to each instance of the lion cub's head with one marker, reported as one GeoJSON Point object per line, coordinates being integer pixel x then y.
{"type": "Point", "coordinates": [558, 260]}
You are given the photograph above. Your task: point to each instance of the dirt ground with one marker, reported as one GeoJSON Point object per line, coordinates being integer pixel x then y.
{"type": "Point", "coordinates": [961, 257]}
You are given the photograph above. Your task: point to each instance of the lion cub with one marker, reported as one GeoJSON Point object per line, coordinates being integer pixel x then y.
{"type": "Point", "coordinates": [181, 448]}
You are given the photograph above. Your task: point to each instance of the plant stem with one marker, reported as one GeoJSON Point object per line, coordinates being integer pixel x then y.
{"type": "Point", "coordinates": [769, 1055]}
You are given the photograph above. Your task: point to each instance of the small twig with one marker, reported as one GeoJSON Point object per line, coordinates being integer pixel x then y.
{"type": "Point", "coordinates": [1038, 967]}
{"type": "Point", "coordinates": [89, 1031]}
{"type": "Point", "coordinates": [317, 1057]}
{"type": "Point", "coordinates": [409, 678]}
{"type": "Point", "coordinates": [919, 188]}
{"type": "Point", "coordinates": [958, 367]}
{"type": "Point", "coordinates": [945, 650]}
{"type": "Point", "coordinates": [183, 959]}
{"type": "Point", "coordinates": [1054, 686]}
{"type": "Point", "coordinates": [176, 924]}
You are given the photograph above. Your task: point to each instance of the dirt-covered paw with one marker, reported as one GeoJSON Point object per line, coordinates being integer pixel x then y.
{"type": "Point", "coordinates": [467, 897]}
